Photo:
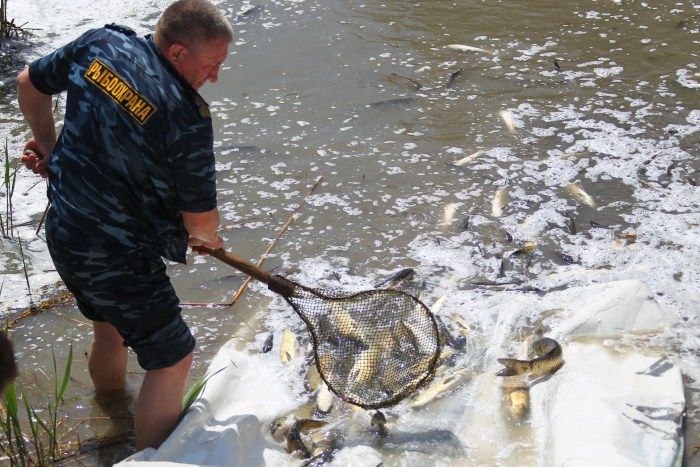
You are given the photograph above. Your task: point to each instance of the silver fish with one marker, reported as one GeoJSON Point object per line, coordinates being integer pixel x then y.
{"type": "Point", "coordinates": [499, 201]}
{"type": "Point", "coordinates": [396, 277]}
{"type": "Point", "coordinates": [578, 193]}
{"type": "Point", "coordinates": [519, 401]}
{"type": "Point", "coordinates": [470, 48]}
{"type": "Point", "coordinates": [440, 387]}
{"type": "Point", "coordinates": [392, 103]}
{"type": "Point", "coordinates": [448, 213]}
{"type": "Point", "coordinates": [324, 399]}
{"type": "Point", "coordinates": [469, 158]}
{"type": "Point", "coordinates": [507, 117]}
{"type": "Point", "coordinates": [365, 368]}
{"type": "Point", "coordinates": [346, 324]}
{"type": "Point", "coordinates": [298, 438]}
{"type": "Point", "coordinates": [288, 346]}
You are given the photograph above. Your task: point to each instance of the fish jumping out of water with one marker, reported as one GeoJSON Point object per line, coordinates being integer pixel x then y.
{"type": "Point", "coordinates": [549, 358]}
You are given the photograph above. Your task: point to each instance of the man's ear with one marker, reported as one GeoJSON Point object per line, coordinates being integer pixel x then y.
{"type": "Point", "coordinates": [175, 52]}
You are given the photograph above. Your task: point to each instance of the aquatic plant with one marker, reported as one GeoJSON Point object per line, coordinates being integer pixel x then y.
{"type": "Point", "coordinates": [9, 179]}
{"type": "Point", "coordinates": [43, 446]}
{"type": "Point", "coordinates": [9, 28]}
{"type": "Point", "coordinates": [196, 390]}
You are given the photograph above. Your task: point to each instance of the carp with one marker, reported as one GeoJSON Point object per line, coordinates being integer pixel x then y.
{"type": "Point", "coordinates": [578, 193]}
{"type": "Point", "coordinates": [288, 346]}
{"type": "Point", "coordinates": [498, 203]}
{"type": "Point", "coordinates": [549, 358]}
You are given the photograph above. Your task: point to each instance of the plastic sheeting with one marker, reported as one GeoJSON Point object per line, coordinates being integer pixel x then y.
{"type": "Point", "coordinates": [608, 404]}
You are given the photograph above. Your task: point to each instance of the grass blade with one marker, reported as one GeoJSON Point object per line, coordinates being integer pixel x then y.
{"type": "Point", "coordinates": [196, 390]}
{"type": "Point", "coordinates": [66, 375]}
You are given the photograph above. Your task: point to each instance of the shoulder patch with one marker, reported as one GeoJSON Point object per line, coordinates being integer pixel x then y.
{"type": "Point", "coordinates": [120, 91]}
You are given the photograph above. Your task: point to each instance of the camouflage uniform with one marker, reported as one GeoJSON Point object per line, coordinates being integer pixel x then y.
{"type": "Point", "coordinates": [136, 150]}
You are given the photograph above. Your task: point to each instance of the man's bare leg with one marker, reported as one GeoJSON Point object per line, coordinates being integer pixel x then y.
{"type": "Point", "coordinates": [107, 359]}
{"type": "Point", "coordinates": [160, 403]}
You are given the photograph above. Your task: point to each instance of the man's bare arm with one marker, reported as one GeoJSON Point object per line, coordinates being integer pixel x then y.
{"type": "Point", "coordinates": [203, 228]}
{"type": "Point", "coordinates": [37, 109]}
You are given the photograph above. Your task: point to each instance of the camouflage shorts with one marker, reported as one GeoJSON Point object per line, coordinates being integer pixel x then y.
{"type": "Point", "coordinates": [129, 290]}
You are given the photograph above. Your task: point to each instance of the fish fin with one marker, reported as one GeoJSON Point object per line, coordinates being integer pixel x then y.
{"type": "Point", "coordinates": [511, 367]}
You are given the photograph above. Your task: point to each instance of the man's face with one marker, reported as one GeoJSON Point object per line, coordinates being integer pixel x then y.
{"type": "Point", "coordinates": [197, 65]}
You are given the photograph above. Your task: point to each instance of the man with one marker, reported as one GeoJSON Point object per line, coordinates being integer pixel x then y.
{"type": "Point", "coordinates": [131, 180]}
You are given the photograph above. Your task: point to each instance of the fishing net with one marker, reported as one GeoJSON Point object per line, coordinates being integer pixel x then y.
{"type": "Point", "coordinates": [372, 348]}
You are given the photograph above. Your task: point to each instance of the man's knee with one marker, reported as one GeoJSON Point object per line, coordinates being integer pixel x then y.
{"type": "Point", "coordinates": [106, 336]}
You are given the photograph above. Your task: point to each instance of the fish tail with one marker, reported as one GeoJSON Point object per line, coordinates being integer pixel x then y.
{"type": "Point", "coordinates": [512, 367]}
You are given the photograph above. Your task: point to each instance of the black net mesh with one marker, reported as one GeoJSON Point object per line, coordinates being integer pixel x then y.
{"type": "Point", "coordinates": [372, 348]}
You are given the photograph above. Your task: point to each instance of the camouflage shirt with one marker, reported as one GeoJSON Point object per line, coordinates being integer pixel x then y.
{"type": "Point", "coordinates": [136, 148]}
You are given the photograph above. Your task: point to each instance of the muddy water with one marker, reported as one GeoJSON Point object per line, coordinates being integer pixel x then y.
{"type": "Point", "coordinates": [601, 94]}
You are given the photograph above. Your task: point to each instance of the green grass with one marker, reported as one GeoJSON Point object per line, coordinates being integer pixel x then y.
{"type": "Point", "coordinates": [196, 390]}
{"type": "Point", "coordinates": [33, 440]}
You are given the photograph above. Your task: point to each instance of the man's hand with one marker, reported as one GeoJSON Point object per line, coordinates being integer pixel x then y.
{"type": "Point", "coordinates": [203, 229]}
{"type": "Point", "coordinates": [195, 243]}
{"type": "Point", "coordinates": [34, 156]}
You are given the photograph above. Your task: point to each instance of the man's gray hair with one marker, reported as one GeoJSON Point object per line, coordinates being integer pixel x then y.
{"type": "Point", "coordinates": [193, 23]}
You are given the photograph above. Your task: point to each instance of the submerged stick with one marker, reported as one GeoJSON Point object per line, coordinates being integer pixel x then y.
{"type": "Point", "coordinates": [284, 228]}
{"type": "Point", "coordinates": [43, 216]}
{"type": "Point", "coordinates": [26, 275]}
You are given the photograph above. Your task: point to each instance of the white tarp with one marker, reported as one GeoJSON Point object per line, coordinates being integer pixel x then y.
{"type": "Point", "coordinates": [612, 402]}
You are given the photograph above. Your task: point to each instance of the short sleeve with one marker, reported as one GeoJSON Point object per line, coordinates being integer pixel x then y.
{"type": "Point", "coordinates": [50, 74]}
{"type": "Point", "coordinates": [192, 155]}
